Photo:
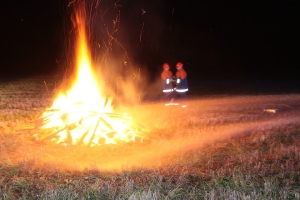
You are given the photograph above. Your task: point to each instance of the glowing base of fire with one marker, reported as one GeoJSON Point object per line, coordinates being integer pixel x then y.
{"type": "Point", "coordinates": [90, 128]}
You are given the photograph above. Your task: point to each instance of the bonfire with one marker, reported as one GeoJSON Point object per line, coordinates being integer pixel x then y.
{"type": "Point", "coordinates": [82, 114]}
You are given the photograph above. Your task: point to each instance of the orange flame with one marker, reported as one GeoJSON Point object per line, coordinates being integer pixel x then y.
{"type": "Point", "coordinates": [82, 114]}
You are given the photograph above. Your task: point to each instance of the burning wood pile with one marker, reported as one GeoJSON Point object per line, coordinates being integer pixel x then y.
{"type": "Point", "coordinates": [88, 128]}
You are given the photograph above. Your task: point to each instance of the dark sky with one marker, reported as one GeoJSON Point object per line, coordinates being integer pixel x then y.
{"type": "Point", "coordinates": [214, 39]}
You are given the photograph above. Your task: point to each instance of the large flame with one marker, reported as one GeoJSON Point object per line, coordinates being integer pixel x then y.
{"type": "Point", "coordinates": [82, 115]}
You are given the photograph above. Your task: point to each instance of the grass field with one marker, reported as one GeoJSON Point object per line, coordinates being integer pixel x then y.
{"type": "Point", "coordinates": [219, 147]}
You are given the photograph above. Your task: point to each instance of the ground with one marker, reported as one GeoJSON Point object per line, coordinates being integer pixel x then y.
{"type": "Point", "coordinates": [226, 146]}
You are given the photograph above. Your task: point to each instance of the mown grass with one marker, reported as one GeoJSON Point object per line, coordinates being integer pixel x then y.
{"type": "Point", "coordinates": [217, 148]}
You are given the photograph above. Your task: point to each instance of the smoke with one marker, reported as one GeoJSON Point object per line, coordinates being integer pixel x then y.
{"type": "Point", "coordinates": [124, 41]}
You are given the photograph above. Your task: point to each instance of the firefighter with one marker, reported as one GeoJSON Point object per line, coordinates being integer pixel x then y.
{"type": "Point", "coordinates": [167, 85]}
{"type": "Point", "coordinates": [182, 83]}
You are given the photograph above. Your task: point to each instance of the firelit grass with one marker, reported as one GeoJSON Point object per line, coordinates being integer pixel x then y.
{"type": "Point", "coordinates": [216, 148]}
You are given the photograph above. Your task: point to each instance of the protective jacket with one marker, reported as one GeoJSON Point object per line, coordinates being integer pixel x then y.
{"type": "Point", "coordinates": [182, 83]}
{"type": "Point", "coordinates": [166, 77]}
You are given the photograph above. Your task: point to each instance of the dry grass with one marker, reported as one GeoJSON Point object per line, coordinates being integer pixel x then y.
{"type": "Point", "coordinates": [219, 147]}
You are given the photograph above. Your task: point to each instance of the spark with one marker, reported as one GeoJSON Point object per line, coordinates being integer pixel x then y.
{"type": "Point", "coordinates": [141, 32]}
{"type": "Point", "coordinates": [71, 2]}
{"type": "Point", "coordinates": [47, 88]}
{"type": "Point", "coordinates": [171, 19]}
{"type": "Point", "coordinates": [143, 11]}
{"type": "Point", "coordinates": [111, 37]}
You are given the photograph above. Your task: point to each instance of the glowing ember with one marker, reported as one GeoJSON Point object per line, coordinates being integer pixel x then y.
{"type": "Point", "coordinates": [82, 115]}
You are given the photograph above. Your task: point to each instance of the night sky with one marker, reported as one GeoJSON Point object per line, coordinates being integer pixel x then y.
{"type": "Point", "coordinates": [216, 40]}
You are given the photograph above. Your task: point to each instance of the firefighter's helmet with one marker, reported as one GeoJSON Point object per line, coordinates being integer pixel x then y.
{"type": "Point", "coordinates": [179, 65]}
{"type": "Point", "coordinates": [166, 66]}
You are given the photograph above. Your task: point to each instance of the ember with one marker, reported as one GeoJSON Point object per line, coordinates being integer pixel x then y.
{"type": "Point", "coordinates": [82, 115]}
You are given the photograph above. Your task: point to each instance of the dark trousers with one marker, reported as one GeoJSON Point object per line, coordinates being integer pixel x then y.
{"type": "Point", "coordinates": [181, 97]}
